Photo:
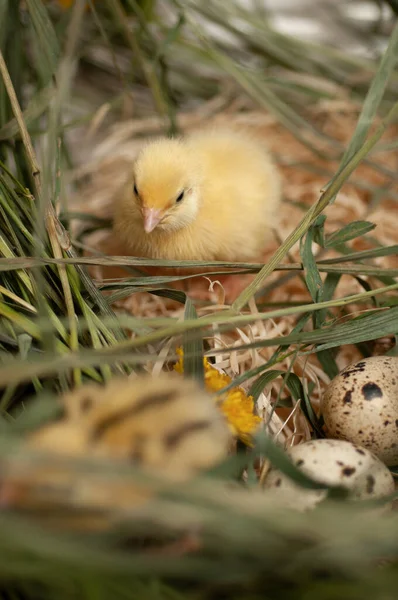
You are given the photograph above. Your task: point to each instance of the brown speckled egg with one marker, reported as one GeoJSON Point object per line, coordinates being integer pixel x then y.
{"type": "Point", "coordinates": [334, 462]}
{"type": "Point", "coordinates": [361, 405]}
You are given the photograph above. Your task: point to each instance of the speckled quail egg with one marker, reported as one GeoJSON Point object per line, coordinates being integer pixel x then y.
{"type": "Point", "coordinates": [361, 405]}
{"type": "Point", "coordinates": [333, 462]}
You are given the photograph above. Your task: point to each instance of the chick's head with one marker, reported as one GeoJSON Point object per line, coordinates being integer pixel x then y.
{"type": "Point", "coordinates": [166, 185]}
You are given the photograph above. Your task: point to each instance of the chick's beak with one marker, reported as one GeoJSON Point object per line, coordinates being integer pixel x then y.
{"type": "Point", "coordinates": [152, 217]}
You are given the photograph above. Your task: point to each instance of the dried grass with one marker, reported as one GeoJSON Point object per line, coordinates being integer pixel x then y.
{"type": "Point", "coordinates": [304, 176]}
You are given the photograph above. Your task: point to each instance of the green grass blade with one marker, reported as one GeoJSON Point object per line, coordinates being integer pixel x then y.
{"type": "Point", "coordinates": [193, 348]}
{"type": "Point", "coordinates": [311, 272]}
{"type": "Point", "coordinates": [372, 101]}
{"type": "Point", "coordinates": [47, 47]}
{"type": "Point", "coordinates": [314, 211]}
{"type": "Point", "coordinates": [348, 232]}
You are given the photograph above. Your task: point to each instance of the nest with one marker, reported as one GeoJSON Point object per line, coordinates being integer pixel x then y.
{"type": "Point", "coordinates": [304, 175]}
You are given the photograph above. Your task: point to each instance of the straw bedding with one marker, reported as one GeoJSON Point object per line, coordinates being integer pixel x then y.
{"type": "Point", "coordinates": [304, 175]}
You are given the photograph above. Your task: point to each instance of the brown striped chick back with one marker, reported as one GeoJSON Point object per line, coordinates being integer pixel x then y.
{"type": "Point", "coordinates": [167, 425]}
{"type": "Point", "coordinates": [165, 422]}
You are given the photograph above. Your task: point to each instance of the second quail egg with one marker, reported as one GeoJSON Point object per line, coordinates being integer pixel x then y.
{"type": "Point", "coordinates": [333, 462]}
{"type": "Point", "coordinates": [361, 405]}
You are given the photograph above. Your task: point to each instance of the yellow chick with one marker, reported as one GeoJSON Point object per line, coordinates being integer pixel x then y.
{"type": "Point", "coordinates": [212, 195]}
{"type": "Point", "coordinates": [168, 426]}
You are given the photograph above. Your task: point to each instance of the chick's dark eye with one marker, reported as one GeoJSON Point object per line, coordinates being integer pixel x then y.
{"type": "Point", "coordinates": [180, 197]}
{"type": "Point", "coordinates": [135, 190]}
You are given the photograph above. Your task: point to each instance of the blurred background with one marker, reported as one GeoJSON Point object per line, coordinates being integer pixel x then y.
{"type": "Point", "coordinates": [185, 43]}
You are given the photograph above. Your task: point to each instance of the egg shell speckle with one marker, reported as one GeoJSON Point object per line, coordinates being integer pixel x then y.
{"type": "Point", "coordinates": [361, 405]}
{"type": "Point", "coordinates": [334, 462]}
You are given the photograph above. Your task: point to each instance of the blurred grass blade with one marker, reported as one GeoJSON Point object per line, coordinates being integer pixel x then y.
{"type": "Point", "coordinates": [172, 34]}
{"type": "Point", "coordinates": [192, 348]}
{"type": "Point", "coordinates": [372, 100]}
{"type": "Point", "coordinates": [119, 16]}
{"type": "Point", "coordinates": [48, 51]}
{"type": "Point", "coordinates": [369, 327]}
{"type": "Point", "coordinates": [36, 107]}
